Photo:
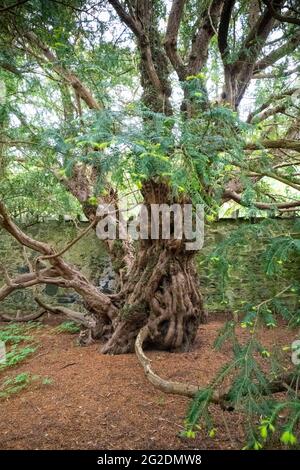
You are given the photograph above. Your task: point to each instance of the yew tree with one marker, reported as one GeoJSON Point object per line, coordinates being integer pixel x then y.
{"type": "Point", "coordinates": [150, 98]}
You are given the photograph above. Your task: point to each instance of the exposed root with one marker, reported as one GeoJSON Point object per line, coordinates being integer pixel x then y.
{"type": "Point", "coordinates": [281, 384]}
{"type": "Point", "coordinates": [165, 386]}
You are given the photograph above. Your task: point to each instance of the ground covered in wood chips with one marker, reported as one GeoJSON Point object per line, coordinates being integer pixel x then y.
{"type": "Point", "coordinates": [99, 402]}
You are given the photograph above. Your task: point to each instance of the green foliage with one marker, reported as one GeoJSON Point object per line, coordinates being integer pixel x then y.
{"type": "Point", "coordinates": [20, 343]}
{"type": "Point", "coordinates": [17, 354]}
{"type": "Point", "coordinates": [253, 365]}
{"type": "Point", "coordinates": [68, 327]}
{"type": "Point", "coordinates": [15, 384]}
{"type": "Point", "coordinates": [248, 392]}
{"type": "Point", "coordinates": [15, 333]}
{"type": "Point", "coordinates": [279, 251]}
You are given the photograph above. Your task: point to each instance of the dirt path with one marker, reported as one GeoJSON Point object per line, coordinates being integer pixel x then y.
{"type": "Point", "coordinates": [105, 402]}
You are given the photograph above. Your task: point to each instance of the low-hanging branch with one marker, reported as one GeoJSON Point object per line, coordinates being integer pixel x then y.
{"type": "Point", "coordinates": [24, 318]}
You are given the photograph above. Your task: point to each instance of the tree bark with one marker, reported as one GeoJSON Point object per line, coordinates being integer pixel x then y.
{"type": "Point", "coordinates": [161, 290]}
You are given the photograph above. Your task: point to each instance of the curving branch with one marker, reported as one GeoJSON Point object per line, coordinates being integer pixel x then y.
{"type": "Point", "coordinates": [129, 19]}
{"type": "Point", "coordinates": [20, 236]}
{"type": "Point", "coordinates": [165, 386]}
{"type": "Point", "coordinates": [27, 280]}
{"type": "Point", "coordinates": [59, 273]}
{"type": "Point", "coordinates": [24, 318]}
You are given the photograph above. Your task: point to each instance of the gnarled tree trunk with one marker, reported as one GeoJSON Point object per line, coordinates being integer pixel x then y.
{"type": "Point", "coordinates": [160, 290]}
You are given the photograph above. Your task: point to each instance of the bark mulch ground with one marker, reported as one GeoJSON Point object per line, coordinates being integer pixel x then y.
{"type": "Point", "coordinates": [105, 402]}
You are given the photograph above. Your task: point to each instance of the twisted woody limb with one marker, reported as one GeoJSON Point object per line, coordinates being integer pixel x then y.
{"type": "Point", "coordinates": [59, 273]}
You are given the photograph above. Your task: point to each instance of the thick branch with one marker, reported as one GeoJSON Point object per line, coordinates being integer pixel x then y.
{"type": "Point", "coordinates": [83, 319]}
{"type": "Point", "coordinates": [62, 273]}
{"type": "Point", "coordinates": [165, 386]}
{"type": "Point", "coordinates": [141, 30]}
{"type": "Point", "coordinates": [23, 318]}
{"type": "Point", "coordinates": [25, 280]}
{"type": "Point", "coordinates": [224, 28]}
{"type": "Point", "coordinates": [129, 20]}
{"type": "Point", "coordinates": [200, 43]}
{"type": "Point", "coordinates": [20, 236]}
{"type": "Point", "coordinates": [172, 37]}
